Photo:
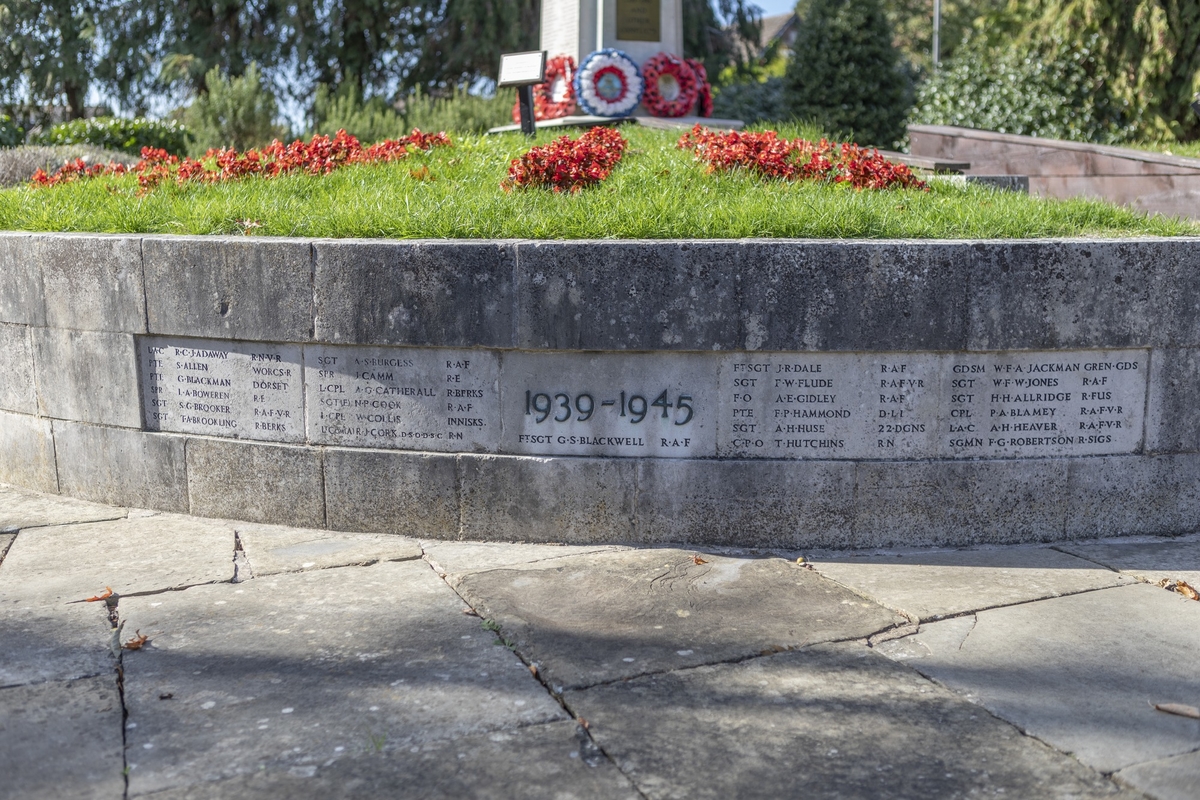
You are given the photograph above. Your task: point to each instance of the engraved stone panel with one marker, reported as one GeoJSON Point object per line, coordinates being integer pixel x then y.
{"type": "Point", "coordinates": [639, 20]}
{"type": "Point", "coordinates": [244, 390]}
{"type": "Point", "coordinates": [407, 398]}
{"type": "Point", "coordinates": [610, 404]}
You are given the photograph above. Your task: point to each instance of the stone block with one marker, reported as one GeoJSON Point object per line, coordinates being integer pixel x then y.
{"type": "Point", "coordinates": [256, 482]}
{"type": "Point", "coordinates": [853, 296]}
{"type": "Point", "coordinates": [87, 376]}
{"type": "Point", "coordinates": [93, 282]}
{"type": "Point", "coordinates": [255, 289]}
{"type": "Point", "coordinates": [414, 494]}
{"type": "Point", "coordinates": [27, 452]}
{"type": "Point", "coordinates": [1176, 292]}
{"type": "Point", "coordinates": [1129, 495]}
{"type": "Point", "coordinates": [62, 740]}
{"type": "Point", "coordinates": [628, 295]}
{"type": "Point", "coordinates": [22, 299]}
{"type": "Point", "coordinates": [17, 389]}
{"type": "Point", "coordinates": [1175, 778]}
{"type": "Point", "coordinates": [547, 499]}
{"type": "Point", "coordinates": [450, 294]}
{"type": "Point", "coordinates": [1055, 294]}
{"type": "Point", "coordinates": [121, 467]}
{"type": "Point", "coordinates": [746, 503]}
{"type": "Point", "coordinates": [911, 503]}
{"type": "Point", "coordinates": [1172, 426]}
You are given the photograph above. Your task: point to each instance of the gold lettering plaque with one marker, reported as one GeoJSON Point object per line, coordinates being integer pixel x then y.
{"type": "Point", "coordinates": [639, 20]}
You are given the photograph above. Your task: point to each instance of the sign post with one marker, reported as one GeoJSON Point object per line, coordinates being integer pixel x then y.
{"type": "Point", "coordinates": [524, 71]}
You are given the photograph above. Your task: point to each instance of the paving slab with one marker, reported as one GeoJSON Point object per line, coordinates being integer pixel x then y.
{"type": "Point", "coordinates": [538, 762]}
{"type": "Point", "coordinates": [43, 640]}
{"type": "Point", "coordinates": [600, 617]}
{"type": "Point", "coordinates": [143, 554]}
{"type": "Point", "coordinates": [1150, 561]}
{"type": "Point", "coordinates": [1175, 778]}
{"type": "Point", "coordinates": [62, 740]}
{"type": "Point", "coordinates": [1078, 672]}
{"type": "Point", "coordinates": [291, 671]}
{"type": "Point", "coordinates": [6, 540]}
{"type": "Point", "coordinates": [461, 557]}
{"type": "Point", "coordinates": [21, 509]}
{"type": "Point", "coordinates": [933, 584]}
{"type": "Point", "coordinates": [828, 721]}
{"type": "Point", "coordinates": [273, 549]}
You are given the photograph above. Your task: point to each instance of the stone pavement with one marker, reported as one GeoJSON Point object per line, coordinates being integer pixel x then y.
{"type": "Point", "coordinates": [287, 663]}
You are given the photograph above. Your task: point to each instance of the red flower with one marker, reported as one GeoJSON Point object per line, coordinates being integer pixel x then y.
{"type": "Point", "coordinates": [568, 164]}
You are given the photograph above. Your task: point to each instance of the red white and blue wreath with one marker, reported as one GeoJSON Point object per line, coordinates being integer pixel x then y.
{"type": "Point", "coordinates": [608, 84]}
{"type": "Point", "coordinates": [671, 86]}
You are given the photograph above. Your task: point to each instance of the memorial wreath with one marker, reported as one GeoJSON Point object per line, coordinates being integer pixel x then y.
{"type": "Point", "coordinates": [608, 84]}
{"type": "Point", "coordinates": [555, 96]}
{"type": "Point", "coordinates": [671, 86]}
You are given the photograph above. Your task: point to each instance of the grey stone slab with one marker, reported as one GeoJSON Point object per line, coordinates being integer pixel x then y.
{"type": "Point", "coordinates": [92, 283]}
{"type": "Point", "coordinates": [143, 554]}
{"type": "Point", "coordinates": [1129, 495]}
{"type": "Point", "coordinates": [746, 503]}
{"type": "Point", "coordinates": [451, 294]}
{"type": "Point", "coordinates": [229, 288]}
{"type": "Point", "coordinates": [460, 557]}
{"type": "Point", "coordinates": [593, 618]}
{"type": "Point", "coordinates": [523, 498]}
{"type": "Point", "coordinates": [121, 467]}
{"type": "Point", "coordinates": [21, 296]}
{"type": "Point", "coordinates": [1171, 426]}
{"type": "Point", "coordinates": [1060, 294]}
{"type": "Point", "coordinates": [47, 640]}
{"type": "Point", "coordinates": [901, 504]}
{"type": "Point", "coordinates": [1078, 672]}
{"type": "Point", "coordinates": [1175, 294]}
{"type": "Point", "coordinates": [1148, 561]}
{"type": "Point", "coordinates": [27, 453]}
{"type": "Point", "coordinates": [539, 762]}
{"type": "Point", "coordinates": [412, 494]}
{"type": "Point", "coordinates": [829, 721]}
{"type": "Point", "coordinates": [87, 376]}
{"type": "Point", "coordinates": [23, 509]}
{"type": "Point", "coordinates": [62, 740]}
{"type": "Point", "coordinates": [256, 482]}
{"type": "Point", "coordinates": [1176, 778]}
{"type": "Point", "coordinates": [930, 585]}
{"type": "Point", "coordinates": [832, 296]}
{"type": "Point", "coordinates": [6, 540]}
{"type": "Point", "coordinates": [272, 549]}
{"type": "Point", "coordinates": [291, 671]}
{"type": "Point", "coordinates": [17, 389]}
{"type": "Point", "coordinates": [628, 295]}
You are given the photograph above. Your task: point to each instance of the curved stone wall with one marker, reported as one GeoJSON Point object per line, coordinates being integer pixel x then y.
{"type": "Point", "coordinates": [759, 393]}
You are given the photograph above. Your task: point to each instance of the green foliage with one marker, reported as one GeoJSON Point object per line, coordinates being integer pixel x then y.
{"type": "Point", "coordinates": [114, 133]}
{"type": "Point", "coordinates": [47, 57]}
{"type": "Point", "coordinates": [467, 40]}
{"type": "Point", "coordinates": [720, 44]}
{"type": "Point", "coordinates": [912, 27]}
{"type": "Point", "coordinates": [11, 134]}
{"type": "Point", "coordinates": [460, 112]}
{"type": "Point", "coordinates": [235, 112]}
{"type": "Point", "coordinates": [372, 121]}
{"type": "Point", "coordinates": [1011, 90]}
{"type": "Point", "coordinates": [845, 73]}
{"type": "Point", "coordinates": [752, 101]}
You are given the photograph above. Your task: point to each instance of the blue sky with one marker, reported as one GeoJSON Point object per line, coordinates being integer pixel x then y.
{"type": "Point", "coordinates": [772, 7]}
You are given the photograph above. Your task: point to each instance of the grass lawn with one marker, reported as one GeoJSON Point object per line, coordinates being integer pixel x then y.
{"type": "Point", "coordinates": [1189, 149]}
{"type": "Point", "coordinates": [657, 191]}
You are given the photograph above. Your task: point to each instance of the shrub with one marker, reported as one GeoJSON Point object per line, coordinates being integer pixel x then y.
{"type": "Point", "coordinates": [1057, 95]}
{"type": "Point", "coordinates": [460, 112]}
{"type": "Point", "coordinates": [237, 113]}
{"type": "Point", "coordinates": [845, 73]}
{"type": "Point", "coordinates": [372, 121]}
{"type": "Point", "coordinates": [115, 133]}
{"type": "Point", "coordinates": [11, 134]}
{"type": "Point", "coordinates": [752, 101]}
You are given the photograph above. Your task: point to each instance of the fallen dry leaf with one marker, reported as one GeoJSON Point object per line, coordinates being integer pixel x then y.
{"type": "Point", "coordinates": [421, 173]}
{"type": "Point", "coordinates": [1178, 709]}
{"type": "Point", "coordinates": [107, 594]}
{"type": "Point", "coordinates": [136, 642]}
{"type": "Point", "coordinates": [582, 722]}
{"type": "Point", "coordinates": [1187, 590]}
{"type": "Point", "coordinates": [698, 560]}
{"type": "Point", "coordinates": [533, 669]}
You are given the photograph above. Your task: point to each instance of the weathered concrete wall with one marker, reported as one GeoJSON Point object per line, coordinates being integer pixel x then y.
{"type": "Point", "coordinates": [76, 312]}
{"type": "Point", "coordinates": [1153, 182]}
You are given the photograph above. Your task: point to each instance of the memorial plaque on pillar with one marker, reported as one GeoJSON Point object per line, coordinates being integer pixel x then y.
{"type": "Point", "coordinates": [639, 20]}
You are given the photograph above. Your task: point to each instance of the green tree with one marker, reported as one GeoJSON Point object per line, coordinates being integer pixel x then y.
{"type": "Point", "coordinates": [238, 112]}
{"type": "Point", "coordinates": [48, 54]}
{"type": "Point", "coordinates": [466, 39]}
{"type": "Point", "coordinates": [845, 74]}
{"type": "Point", "coordinates": [715, 44]}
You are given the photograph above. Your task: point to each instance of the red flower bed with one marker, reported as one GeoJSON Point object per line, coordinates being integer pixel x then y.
{"type": "Point", "coordinates": [568, 164]}
{"type": "Point", "coordinates": [798, 159]}
{"type": "Point", "coordinates": [319, 156]}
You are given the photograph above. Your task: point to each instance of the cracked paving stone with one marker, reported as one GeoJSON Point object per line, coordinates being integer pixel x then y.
{"type": "Point", "coordinates": [462, 557]}
{"type": "Point", "coordinates": [1177, 559]}
{"type": "Point", "coordinates": [292, 671]}
{"type": "Point", "coordinates": [6, 540]}
{"type": "Point", "coordinates": [272, 549]}
{"type": "Point", "coordinates": [600, 617]}
{"type": "Point", "coordinates": [146, 554]}
{"type": "Point", "coordinates": [935, 584]}
{"type": "Point", "coordinates": [828, 721]}
{"type": "Point", "coordinates": [62, 741]}
{"type": "Point", "coordinates": [45, 641]}
{"type": "Point", "coordinates": [1078, 672]}
{"type": "Point", "coordinates": [539, 762]}
{"type": "Point", "coordinates": [22, 509]}
{"type": "Point", "coordinates": [1175, 778]}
